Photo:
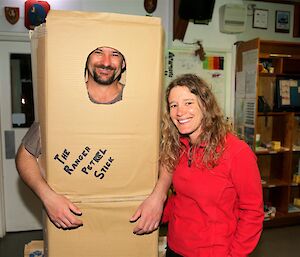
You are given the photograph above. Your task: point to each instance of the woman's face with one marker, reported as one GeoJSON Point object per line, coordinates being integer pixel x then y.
{"type": "Point", "coordinates": [185, 112]}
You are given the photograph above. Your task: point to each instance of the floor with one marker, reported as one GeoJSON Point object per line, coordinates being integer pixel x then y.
{"type": "Point", "coordinates": [12, 245]}
{"type": "Point", "coordinates": [275, 242]}
{"type": "Point", "coordinates": [279, 242]}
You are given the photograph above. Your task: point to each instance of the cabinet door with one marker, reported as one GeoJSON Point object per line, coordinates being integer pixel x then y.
{"type": "Point", "coordinates": [246, 90]}
{"type": "Point", "coordinates": [243, 47]}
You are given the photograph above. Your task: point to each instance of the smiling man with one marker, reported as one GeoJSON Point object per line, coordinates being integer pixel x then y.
{"type": "Point", "coordinates": [103, 71]}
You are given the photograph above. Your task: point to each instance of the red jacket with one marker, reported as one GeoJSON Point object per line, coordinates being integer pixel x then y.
{"type": "Point", "coordinates": [216, 212]}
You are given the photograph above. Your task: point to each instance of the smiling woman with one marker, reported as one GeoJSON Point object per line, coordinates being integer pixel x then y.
{"type": "Point", "coordinates": [103, 71]}
{"type": "Point", "coordinates": [217, 207]}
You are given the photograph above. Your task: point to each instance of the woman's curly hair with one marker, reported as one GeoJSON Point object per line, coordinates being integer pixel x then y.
{"type": "Point", "coordinates": [213, 126]}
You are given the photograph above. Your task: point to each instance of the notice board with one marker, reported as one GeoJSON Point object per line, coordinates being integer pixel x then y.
{"type": "Point", "coordinates": [215, 70]}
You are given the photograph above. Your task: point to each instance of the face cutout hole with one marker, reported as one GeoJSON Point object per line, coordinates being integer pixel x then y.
{"type": "Point", "coordinates": [105, 75]}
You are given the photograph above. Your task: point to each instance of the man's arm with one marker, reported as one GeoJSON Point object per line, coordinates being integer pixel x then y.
{"type": "Point", "coordinates": [60, 210]}
{"type": "Point", "coordinates": [150, 211]}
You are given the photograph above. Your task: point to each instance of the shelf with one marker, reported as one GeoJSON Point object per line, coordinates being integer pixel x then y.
{"type": "Point", "coordinates": [267, 151]}
{"type": "Point", "coordinates": [275, 56]}
{"type": "Point", "coordinates": [266, 74]}
{"type": "Point", "coordinates": [275, 74]}
{"type": "Point", "coordinates": [276, 166]}
{"type": "Point", "coordinates": [293, 184]}
{"type": "Point", "coordinates": [274, 183]}
{"type": "Point", "coordinates": [273, 113]}
{"type": "Point", "coordinates": [278, 215]}
{"type": "Point", "coordinates": [296, 148]}
{"type": "Point", "coordinates": [283, 219]}
{"type": "Point", "coordinates": [264, 56]}
{"type": "Point", "coordinates": [293, 209]}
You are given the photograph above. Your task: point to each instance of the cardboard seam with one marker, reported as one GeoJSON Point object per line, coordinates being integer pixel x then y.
{"type": "Point", "coordinates": [108, 199]}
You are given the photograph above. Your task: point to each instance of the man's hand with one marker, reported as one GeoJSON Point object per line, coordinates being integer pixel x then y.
{"type": "Point", "coordinates": [62, 212]}
{"type": "Point", "coordinates": [148, 215]}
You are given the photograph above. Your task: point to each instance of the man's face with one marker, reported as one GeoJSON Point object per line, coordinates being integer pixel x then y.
{"type": "Point", "coordinates": [105, 65]}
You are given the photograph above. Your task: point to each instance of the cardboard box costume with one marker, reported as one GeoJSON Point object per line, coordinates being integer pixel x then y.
{"type": "Point", "coordinates": [104, 157]}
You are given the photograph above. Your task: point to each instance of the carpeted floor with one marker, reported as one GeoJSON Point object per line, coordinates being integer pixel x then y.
{"type": "Point", "coordinates": [275, 242]}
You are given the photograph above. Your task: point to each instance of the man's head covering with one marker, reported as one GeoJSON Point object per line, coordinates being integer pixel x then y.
{"type": "Point", "coordinates": [123, 68]}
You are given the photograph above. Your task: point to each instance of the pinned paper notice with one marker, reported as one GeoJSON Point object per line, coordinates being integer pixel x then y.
{"type": "Point", "coordinates": [285, 89]}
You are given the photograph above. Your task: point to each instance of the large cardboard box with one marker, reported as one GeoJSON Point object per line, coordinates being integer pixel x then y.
{"type": "Point", "coordinates": [106, 232]}
{"type": "Point", "coordinates": [99, 153]}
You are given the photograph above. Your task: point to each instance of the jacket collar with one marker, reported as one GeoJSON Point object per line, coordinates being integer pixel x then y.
{"type": "Point", "coordinates": [186, 142]}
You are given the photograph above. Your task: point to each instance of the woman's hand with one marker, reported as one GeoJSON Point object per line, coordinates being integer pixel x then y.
{"type": "Point", "coordinates": [148, 215]}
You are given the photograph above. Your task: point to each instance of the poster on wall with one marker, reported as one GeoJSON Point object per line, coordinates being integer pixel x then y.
{"type": "Point", "coordinates": [213, 70]}
{"type": "Point", "coordinates": [246, 97]}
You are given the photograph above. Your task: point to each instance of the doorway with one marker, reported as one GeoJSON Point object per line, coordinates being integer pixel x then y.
{"type": "Point", "coordinates": [20, 209]}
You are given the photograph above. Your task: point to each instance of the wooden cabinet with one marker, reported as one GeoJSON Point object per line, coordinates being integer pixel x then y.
{"type": "Point", "coordinates": [273, 134]}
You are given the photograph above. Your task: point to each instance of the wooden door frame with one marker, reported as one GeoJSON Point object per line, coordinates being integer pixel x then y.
{"type": "Point", "coordinates": [2, 211]}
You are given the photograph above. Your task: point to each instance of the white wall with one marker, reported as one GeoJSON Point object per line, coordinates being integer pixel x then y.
{"type": "Point", "coordinates": [212, 37]}
{"type": "Point", "coordinates": [209, 34]}
{"type": "Point", "coordinates": [133, 7]}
